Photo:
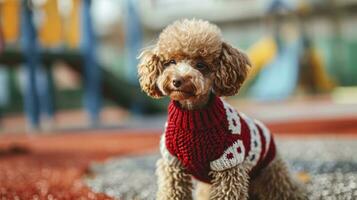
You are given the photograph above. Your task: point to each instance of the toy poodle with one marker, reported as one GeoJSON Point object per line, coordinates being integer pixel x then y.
{"type": "Point", "coordinates": [230, 155]}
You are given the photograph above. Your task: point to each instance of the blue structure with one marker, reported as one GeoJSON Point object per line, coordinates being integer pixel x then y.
{"type": "Point", "coordinates": [37, 80]}
{"type": "Point", "coordinates": [37, 95]}
{"type": "Point", "coordinates": [92, 76]}
{"type": "Point", "coordinates": [32, 57]}
{"type": "Point", "coordinates": [133, 45]}
{"type": "Point", "coordinates": [133, 40]}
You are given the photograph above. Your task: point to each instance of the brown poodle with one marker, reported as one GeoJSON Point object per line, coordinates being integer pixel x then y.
{"type": "Point", "coordinates": [230, 155]}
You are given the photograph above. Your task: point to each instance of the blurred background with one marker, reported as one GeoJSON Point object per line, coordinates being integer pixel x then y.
{"type": "Point", "coordinates": [68, 75]}
{"type": "Point", "coordinates": [72, 63]}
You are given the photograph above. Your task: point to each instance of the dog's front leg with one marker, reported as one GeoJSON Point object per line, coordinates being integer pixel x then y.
{"type": "Point", "coordinates": [230, 184]}
{"type": "Point", "coordinates": [173, 182]}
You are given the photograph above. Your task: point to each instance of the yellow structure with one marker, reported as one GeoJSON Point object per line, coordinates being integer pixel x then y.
{"type": "Point", "coordinates": [54, 28]}
{"type": "Point", "coordinates": [72, 25]}
{"type": "Point", "coordinates": [10, 19]}
{"type": "Point", "coordinates": [260, 54]}
{"type": "Point", "coordinates": [51, 30]}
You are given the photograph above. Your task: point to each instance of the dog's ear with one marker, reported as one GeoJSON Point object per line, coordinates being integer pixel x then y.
{"type": "Point", "coordinates": [149, 69]}
{"type": "Point", "coordinates": [232, 71]}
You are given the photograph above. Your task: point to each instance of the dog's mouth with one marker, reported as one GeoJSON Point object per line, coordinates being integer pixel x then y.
{"type": "Point", "coordinates": [180, 94]}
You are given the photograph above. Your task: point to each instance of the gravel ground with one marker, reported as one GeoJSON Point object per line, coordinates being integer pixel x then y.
{"type": "Point", "coordinates": [329, 166]}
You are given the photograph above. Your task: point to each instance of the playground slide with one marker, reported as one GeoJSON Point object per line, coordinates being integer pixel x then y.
{"type": "Point", "coordinates": [278, 79]}
{"type": "Point", "coordinates": [267, 68]}
{"type": "Point", "coordinates": [261, 53]}
{"type": "Point", "coordinates": [116, 89]}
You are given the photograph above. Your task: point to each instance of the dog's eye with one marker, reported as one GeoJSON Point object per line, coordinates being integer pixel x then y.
{"type": "Point", "coordinates": [171, 62]}
{"type": "Point", "coordinates": [201, 65]}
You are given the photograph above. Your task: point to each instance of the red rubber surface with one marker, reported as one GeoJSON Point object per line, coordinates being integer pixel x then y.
{"type": "Point", "coordinates": [51, 167]}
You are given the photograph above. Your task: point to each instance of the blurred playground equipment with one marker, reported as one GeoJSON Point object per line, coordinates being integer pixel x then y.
{"type": "Point", "coordinates": [287, 59]}
{"type": "Point", "coordinates": [289, 52]}
{"type": "Point", "coordinates": [70, 39]}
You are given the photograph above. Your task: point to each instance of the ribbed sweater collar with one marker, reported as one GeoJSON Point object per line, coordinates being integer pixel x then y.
{"type": "Point", "coordinates": [210, 116]}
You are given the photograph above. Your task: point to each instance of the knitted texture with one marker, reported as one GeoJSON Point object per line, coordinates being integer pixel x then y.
{"type": "Point", "coordinates": [215, 138]}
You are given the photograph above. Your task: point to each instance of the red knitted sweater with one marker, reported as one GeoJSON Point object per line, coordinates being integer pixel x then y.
{"type": "Point", "coordinates": [215, 138]}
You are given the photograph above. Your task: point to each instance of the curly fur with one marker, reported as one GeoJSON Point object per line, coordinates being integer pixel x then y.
{"type": "Point", "coordinates": [174, 182]}
{"type": "Point", "coordinates": [276, 183]}
{"type": "Point", "coordinates": [191, 40]}
{"type": "Point", "coordinates": [149, 69]}
{"type": "Point", "coordinates": [232, 71]}
{"type": "Point", "coordinates": [230, 184]}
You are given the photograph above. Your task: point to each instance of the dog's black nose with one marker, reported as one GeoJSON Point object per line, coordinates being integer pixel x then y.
{"type": "Point", "coordinates": [176, 83]}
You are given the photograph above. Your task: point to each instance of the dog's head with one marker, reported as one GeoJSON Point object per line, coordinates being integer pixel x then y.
{"type": "Point", "coordinates": [189, 60]}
